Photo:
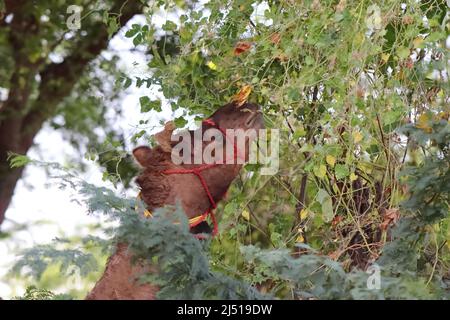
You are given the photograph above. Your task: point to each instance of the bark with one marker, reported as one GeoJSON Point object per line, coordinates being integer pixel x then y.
{"type": "Point", "coordinates": [21, 118]}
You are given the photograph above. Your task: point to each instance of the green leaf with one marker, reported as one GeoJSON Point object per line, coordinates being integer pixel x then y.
{"type": "Point", "coordinates": [137, 40]}
{"type": "Point", "coordinates": [403, 52]}
{"type": "Point", "coordinates": [127, 83]}
{"type": "Point", "coordinates": [113, 26]}
{"type": "Point", "coordinates": [180, 122]}
{"type": "Point", "coordinates": [309, 60]}
{"type": "Point", "coordinates": [327, 205]}
{"type": "Point", "coordinates": [435, 36]}
{"type": "Point", "coordinates": [17, 160]}
{"type": "Point", "coordinates": [299, 132]}
{"type": "Point", "coordinates": [169, 26]}
{"type": "Point", "coordinates": [320, 171]}
{"type": "Point", "coordinates": [131, 33]}
{"type": "Point", "coordinates": [341, 171]}
{"type": "Point", "coordinates": [148, 105]}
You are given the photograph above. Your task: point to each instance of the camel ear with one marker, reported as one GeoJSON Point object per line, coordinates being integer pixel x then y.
{"type": "Point", "coordinates": [163, 137]}
{"type": "Point", "coordinates": [142, 155]}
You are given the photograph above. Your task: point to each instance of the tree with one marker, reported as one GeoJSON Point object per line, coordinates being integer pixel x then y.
{"type": "Point", "coordinates": [36, 86]}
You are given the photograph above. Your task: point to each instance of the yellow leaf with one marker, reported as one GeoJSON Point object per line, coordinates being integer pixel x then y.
{"type": "Point", "coordinates": [353, 176]}
{"type": "Point", "coordinates": [443, 115]}
{"type": "Point", "coordinates": [417, 42]}
{"type": "Point", "coordinates": [303, 214]}
{"type": "Point", "coordinates": [422, 123]}
{"type": "Point", "coordinates": [320, 171]}
{"type": "Point", "coordinates": [241, 97]}
{"type": "Point", "coordinates": [300, 237]}
{"type": "Point", "coordinates": [357, 136]}
{"type": "Point", "coordinates": [365, 167]}
{"type": "Point", "coordinates": [212, 65]}
{"type": "Point", "coordinates": [330, 160]}
{"type": "Point", "coordinates": [359, 38]}
{"type": "Point", "coordinates": [385, 57]}
{"type": "Point", "coordinates": [246, 215]}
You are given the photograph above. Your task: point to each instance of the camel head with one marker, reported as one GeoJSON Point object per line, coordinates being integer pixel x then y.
{"type": "Point", "coordinates": [159, 189]}
{"type": "Point", "coordinates": [232, 116]}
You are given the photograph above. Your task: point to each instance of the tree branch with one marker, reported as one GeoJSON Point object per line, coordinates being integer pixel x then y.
{"type": "Point", "coordinates": [21, 119]}
{"type": "Point", "coordinates": [58, 79]}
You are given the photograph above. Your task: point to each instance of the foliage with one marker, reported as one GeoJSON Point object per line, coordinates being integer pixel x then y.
{"type": "Point", "coordinates": [313, 276]}
{"type": "Point", "coordinates": [360, 92]}
{"type": "Point", "coordinates": [42, 255]}
{"type": "Point", "coordinates": [338, 77]}
{"type": "Point", "coordinates": [33, 293]}
{"type": "Point", "coordinates": [410, 261]}
{"type": "Point", "coordinates": [185, 271]}
{"type": "Point", "coordinates": [421, 239]}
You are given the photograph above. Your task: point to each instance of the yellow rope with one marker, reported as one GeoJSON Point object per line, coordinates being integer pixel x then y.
{"type": "Point", "coordinates": [192, 221]}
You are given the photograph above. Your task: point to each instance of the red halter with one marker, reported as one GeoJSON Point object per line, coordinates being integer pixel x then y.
{"type": "Point", "coordinates": [197, 171]}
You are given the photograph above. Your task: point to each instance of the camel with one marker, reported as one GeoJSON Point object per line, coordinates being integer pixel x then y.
{"type": "Point", "coordinates": [162, 183]}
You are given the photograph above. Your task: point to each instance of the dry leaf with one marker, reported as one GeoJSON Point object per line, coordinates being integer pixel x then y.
{"type": "Point", "coordinates": [241, 47]}
{"type": "Point", "coordinates": [303, 214]}
{"type": "Point", "coordinates": [282, 57]}
{"type": "Point", "coordinates": [332, 62]}
{"type": "Point", "coordinates": [357, 136]}
{"type": "Point", "coordinates": [336, 220]}
{"type": "Point", "coordinates": [390, 217]}
{"type": "Point", "coordinates": [407, 20]}
{"type": "Point", "coordinates": [409, 63]}
{"type": "Point", "coordinates": [422, 123]}
{"type": "Point", "coordinates": [241, 97]}
{"type": "Point", "coordinates": [275, 38]}
{"type": "Point", "coordinates": [341, 6]}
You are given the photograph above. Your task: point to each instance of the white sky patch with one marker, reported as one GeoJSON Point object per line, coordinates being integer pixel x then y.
{"type": "Point", "coordinates": [258, 15]}
{"type": "Point", "coordinates": [3, 94]}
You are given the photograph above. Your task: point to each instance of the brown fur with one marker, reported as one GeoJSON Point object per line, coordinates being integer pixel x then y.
{"type": "Point", "coordinates": [119, 279]}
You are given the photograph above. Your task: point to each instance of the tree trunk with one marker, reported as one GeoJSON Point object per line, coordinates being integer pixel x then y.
{"type": "Point", "coordinates": [7, 183]}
